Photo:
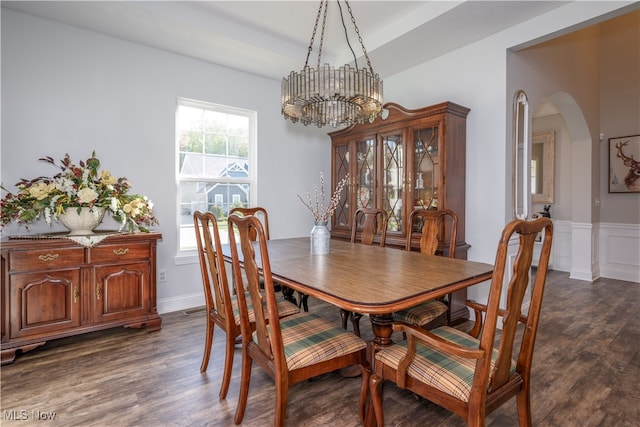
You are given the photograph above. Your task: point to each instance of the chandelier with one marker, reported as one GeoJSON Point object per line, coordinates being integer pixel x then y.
{"type": "Point", "coordinates": [326, 95]}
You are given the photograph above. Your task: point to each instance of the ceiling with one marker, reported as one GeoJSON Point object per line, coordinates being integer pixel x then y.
{"type": "Point", "coordinates": [270, 38]}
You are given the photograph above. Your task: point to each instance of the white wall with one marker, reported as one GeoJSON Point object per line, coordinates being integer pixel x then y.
{"type": "Point", "coordinates": [69, 90]}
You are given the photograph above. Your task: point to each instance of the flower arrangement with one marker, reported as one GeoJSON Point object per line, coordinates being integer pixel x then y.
{"type": "Point", "coordinates": [77, 186]}
{"type": "Point", "coordinates": [318, 207]}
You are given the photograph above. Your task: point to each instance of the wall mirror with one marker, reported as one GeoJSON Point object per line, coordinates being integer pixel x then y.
{"type": "Point", "coordinates": [542, 149]}
{"type": "Point", "coordinates": [521, 155]}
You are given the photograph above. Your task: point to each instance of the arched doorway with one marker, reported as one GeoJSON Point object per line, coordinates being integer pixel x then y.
{"type": "Point", "coordinates": [576, 183]}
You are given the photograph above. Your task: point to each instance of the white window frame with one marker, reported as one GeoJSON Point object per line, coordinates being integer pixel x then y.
{"type": "Point", "coordinates": [185, 256]}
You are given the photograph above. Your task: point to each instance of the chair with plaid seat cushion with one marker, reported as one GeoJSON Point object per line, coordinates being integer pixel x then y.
{"type": "Point", "coordinates": [438, 229]}
{"type": "Point", "coordinates": [293, 349]}
{"type": "Point", "coordinates": [221, 305]}
{"type": "Point", "coordinates": [472, 374]}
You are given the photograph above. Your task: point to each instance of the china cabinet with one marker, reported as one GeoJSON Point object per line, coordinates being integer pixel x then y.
{"type": "Point", "coordinates": [54, 288]}
{"type": "Point", "coordinates": [411, 159]}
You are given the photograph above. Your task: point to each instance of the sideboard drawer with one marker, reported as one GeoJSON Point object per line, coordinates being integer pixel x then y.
{"type": "Point", "coordinates": [46, 259]}
{"type": "Point", "coordinates": [119, 253]}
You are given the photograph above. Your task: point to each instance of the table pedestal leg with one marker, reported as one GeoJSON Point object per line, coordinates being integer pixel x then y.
{"type": "Point", "coordinates": [381, 325]}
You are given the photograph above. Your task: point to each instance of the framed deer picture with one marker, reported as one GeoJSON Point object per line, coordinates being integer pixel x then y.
{"type": "Point", "coordinates": [624, 164]}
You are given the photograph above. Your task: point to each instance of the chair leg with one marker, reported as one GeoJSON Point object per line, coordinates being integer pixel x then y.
{"type": "Point", "coordinates": [245, 379]}
{"type": "Point", "coordinates": [303, 301]}
{"type": "Point", "coordinates": [287, 293]}
{"type": "Point", "coordinates": [375, 385]}
{"type": "Point", "coordinates": [282, 395]}
{"type": "Point", "coordinates": [208, 342]}
{"type": "Point", "coordinates": [355, 322]}
{"type": "Point", "coordinates": [228, 365]}
{"type": "Point", "coordinates": [344, 316]}
{"type": "Point", "coordinates": [364, 394]}
{"type": "Point", "coordinates": [523, 400]}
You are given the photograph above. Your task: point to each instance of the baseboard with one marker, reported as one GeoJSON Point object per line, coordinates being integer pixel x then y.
{"type": "Point", "coordinates": [182, 302]}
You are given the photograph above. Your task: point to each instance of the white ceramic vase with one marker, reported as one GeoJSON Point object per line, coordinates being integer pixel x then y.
{"type": "Point", "coordinates": [82, 223]}
{"type": "Point", "coordinates": [320, 238]}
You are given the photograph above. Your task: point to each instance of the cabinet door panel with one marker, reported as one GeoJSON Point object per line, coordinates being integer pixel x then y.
{"type": "Point", "coordinates": [366, 175]}
{"type": "Point", "coordinates": [121, 291]}
{"type": "Point", "coordinates": [393, 179]}
{"type": "Point", "coordinates": [342, 167]}
{"type": "Point", "coordinates": [43, 303]}
{"type": "Point", "coordinates": [427, 187]}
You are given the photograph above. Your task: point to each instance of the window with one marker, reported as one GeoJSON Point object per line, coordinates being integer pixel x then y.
{"type": "Point", "coordinates": [216, 166]}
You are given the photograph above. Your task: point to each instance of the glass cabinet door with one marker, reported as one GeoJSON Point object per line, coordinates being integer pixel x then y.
{"type": "Point", "coordinates": [366, 176]}
{"type": "Point", "coordinates": [342, 216]}
{"type": "Point", "coordinates": [393, 179]}
{"type": "Point", "coordinates": [426, 166]}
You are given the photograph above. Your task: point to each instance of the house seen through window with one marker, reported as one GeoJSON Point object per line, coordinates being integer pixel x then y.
{"type": "Point", "coordinates": [215, 170]}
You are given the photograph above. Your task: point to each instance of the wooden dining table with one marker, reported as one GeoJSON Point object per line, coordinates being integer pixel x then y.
{"type": "Point", "coordinates": [367, 279]}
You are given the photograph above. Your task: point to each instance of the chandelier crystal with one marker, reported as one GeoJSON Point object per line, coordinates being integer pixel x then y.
{"type": "Point", "coordinates": [326, 95]}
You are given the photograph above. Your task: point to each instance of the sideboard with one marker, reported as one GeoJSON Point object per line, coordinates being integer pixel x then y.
{"type": "Point", "coordinates": [54, 288]}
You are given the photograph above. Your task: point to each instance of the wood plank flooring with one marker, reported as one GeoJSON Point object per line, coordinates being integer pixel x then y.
{"type": "Point", "coordinates": [586, 370]}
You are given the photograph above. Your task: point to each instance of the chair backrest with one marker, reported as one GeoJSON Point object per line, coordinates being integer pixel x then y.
{"type": "Point", "coordinates": [511, 314]}
{"type": "Point", "coordinates": [212, 267]}
{"type": "Point", "coordinates": [269, 339]}
{"type": "Point", "coordinates": [434, 230]}
{"type": "Point", "coordinates": [257, 211]}
{"type": "Point", "coordinates": [369, 223]}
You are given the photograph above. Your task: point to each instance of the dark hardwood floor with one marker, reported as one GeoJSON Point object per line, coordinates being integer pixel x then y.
{"type": "Point", "coordinates": [586, 371]}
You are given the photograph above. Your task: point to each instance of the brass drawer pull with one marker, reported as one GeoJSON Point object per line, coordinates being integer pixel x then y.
{"type": "Point", "coordinates": [48, 257]}
{"type": "Point", "coordinates": [98, 291]}
{"type": "Point", "coordinates": [121, 251]}
{"type": "Point", "coordinates": [76, 294]}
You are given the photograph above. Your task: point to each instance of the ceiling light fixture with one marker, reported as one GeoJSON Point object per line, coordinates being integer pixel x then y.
{"type": "Point", "coordinates": [332, 96]}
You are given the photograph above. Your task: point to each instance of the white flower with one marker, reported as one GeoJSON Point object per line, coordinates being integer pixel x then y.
{"type": "Point", "coordinates": [87, 195]}
{"type": "Point", "coordinates": [47, 215]}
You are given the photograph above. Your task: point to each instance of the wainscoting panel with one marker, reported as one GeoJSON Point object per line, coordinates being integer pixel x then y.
{"type": "Point", "coordinates": [620, 251]}
{"type": "Point", "coordinates": [615, 250]}
{"type": "Point", "coordinates": [561, 248]}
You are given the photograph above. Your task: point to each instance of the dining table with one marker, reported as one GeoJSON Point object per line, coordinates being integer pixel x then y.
{"type": "Point", "coordinates": [368, 279]}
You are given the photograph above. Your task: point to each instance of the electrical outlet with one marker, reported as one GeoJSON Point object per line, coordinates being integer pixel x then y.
{"type": "Point", "coordinates": [162, 275]}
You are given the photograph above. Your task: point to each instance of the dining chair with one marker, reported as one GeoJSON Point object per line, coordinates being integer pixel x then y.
{"type": "Point", "coordinates": [261, 213]}
{"type": "Point", "coordinates": [435, 226]}
{"type": "Point", "coordinates": [296, 348]}
{"type": "Point", "coordinates": [221, 304]}
{"type": "Point", "coordinates": [368, 225]}
{"type": "Point", "coordinates": [472, 374]}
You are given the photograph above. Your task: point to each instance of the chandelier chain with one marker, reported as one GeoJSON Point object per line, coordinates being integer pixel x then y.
{"type": "Point", "coordinates": [355, 26]}
{"type": "Point", "coordinates": [324, 25]}
{"type": "Point", "coordinates": [346, 34]}
{"type": "Point", "coordinates": [315, 28]}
